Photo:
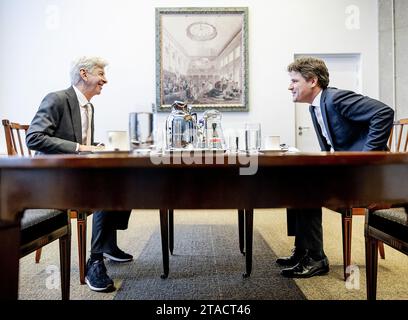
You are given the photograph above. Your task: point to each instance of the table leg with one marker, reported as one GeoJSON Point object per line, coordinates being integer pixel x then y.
{"type": "Point", "coordinates": [171, 230]}
{"type": "Point", "coordinates": [164, 228]}
{"type": "Point", "coordinates": [241, 230]}
{"type": "Point", "coordinates": [249, 218]}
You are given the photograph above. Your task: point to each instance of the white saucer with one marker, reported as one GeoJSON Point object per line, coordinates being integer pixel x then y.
{"type": "Point", "coordinates": [274, 150]}
{"type": "Point", "coordinates": [195, 150]}
{"type": "Point", "coordinates": [111, 151]}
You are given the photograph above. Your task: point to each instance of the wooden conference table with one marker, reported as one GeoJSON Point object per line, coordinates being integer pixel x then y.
{"type": "Point", "coordinates": [123, 181]}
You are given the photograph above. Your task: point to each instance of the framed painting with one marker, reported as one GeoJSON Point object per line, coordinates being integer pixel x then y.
{"type": "Point", "coordinates": [202, 58]}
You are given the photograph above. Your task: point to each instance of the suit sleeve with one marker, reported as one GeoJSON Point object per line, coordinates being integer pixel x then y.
{"type": "Point", "coordinates": [378, 116]}
{"type": "Point", "coordinates": [41, 133]}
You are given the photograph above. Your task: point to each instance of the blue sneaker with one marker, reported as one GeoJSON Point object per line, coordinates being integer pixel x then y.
{"type": "Point", "coordinates": [96, 276]}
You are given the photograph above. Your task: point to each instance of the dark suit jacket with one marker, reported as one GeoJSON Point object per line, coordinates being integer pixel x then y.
{"type": "Point", "coordinates": [353, 122]}
{"type": "Point", "coordinates": [56, 127]}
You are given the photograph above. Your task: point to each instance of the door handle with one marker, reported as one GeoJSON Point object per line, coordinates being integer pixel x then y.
{"type": "Point", "coordinates": [301, 129]}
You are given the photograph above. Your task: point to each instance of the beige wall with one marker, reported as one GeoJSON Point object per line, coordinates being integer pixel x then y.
{"type": "Point", "coordinates": [40, 38]}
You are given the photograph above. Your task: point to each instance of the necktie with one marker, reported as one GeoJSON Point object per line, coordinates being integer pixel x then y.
{"type": "Point", "coordinates": [87, 124]}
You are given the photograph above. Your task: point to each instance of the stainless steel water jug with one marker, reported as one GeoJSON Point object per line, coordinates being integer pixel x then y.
{"type": "Point", "coordinates": [181, 127]}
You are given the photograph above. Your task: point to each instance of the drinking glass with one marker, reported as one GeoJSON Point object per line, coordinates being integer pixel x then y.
{"type": "Point", "coordinates": [252, 137]}
{"type": "Point", "coordinates": [232, 138]}
{"type": "Point", "coordinates": [141, 129]}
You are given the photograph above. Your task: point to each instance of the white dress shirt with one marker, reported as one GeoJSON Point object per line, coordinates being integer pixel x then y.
{"type": "Point", "coordinates": [85, 119]}
{"type": "Point", "coordinates": [318, 113]}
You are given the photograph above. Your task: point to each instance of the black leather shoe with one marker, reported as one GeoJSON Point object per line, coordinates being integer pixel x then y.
{"type": "Point", "coordinates": [293, 259]}
{"type": "Point", "coordinates": [306, 268]}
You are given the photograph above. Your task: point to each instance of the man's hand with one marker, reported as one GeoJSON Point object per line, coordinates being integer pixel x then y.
{"type": "Point", "coordinates": [85, 148]}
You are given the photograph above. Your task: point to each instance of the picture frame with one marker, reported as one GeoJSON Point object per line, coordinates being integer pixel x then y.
{"type": "Point", "coordinates": [202, 58]}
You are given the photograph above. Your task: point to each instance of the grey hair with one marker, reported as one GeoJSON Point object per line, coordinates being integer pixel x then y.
{"type": "Point", "coordinates": [87, 63]}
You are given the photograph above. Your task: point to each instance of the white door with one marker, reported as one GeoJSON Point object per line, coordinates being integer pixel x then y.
{"type": "Point", "coordinates": [344, 71]}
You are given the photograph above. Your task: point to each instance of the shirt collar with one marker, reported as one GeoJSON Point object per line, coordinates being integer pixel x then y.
{"type": "Point", "coordinates": [81, 98]}
{"type": "Point", "coordinates": [316, 100]}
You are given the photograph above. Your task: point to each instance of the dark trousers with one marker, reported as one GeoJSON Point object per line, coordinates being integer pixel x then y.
{"type": "Point", "coordinates": [306, 226]}
{"type": "Point", "coordinates": [104, 226]}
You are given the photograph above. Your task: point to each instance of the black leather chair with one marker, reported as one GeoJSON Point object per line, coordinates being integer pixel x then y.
{"type": "Point", "coordinates": [389, 226]}
{"type": "Point", "coordinates": [40, 227]}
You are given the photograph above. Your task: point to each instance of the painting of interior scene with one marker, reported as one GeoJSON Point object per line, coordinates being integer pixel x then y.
{"type": "Point", "coordinates": [202, 59]}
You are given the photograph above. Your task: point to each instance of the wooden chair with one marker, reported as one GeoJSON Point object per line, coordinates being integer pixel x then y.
{"type": "Point", "coordinates": [40, 227]}
{"type": "Point", "coordinates": [399, 130]}
{"type": "Point", "coordinates": [389, 226]}
{"type": "Point", "coordinates": [401, 136]}
{"type": "Point", "coordinates": [15, 141]}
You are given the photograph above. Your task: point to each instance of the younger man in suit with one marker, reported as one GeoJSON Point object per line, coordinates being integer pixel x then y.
{"type": "Point", "coordinates": [343, 121]}
{"type": "Point", "coordinates": [64, 123]}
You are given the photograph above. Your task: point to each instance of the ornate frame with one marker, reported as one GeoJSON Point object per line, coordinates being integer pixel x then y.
{"type": "Point", "coordinates": [202, 58]}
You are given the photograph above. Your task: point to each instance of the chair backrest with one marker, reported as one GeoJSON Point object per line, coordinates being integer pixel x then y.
{"type": "Point", "coordinates": [400, 131]}
{"type": "Point", "coordinates": [15, 138]}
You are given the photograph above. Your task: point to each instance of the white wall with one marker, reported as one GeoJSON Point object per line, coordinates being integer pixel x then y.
{"type": "Point", "coordinates": [39, 38]}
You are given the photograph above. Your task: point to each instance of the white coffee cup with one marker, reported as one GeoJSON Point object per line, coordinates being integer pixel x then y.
{"type": "Point", "coordinates": [272, 143]}
{"type": "Point", "coordinates": [118, 140]}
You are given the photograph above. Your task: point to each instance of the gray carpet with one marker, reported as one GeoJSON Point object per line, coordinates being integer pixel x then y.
{"type": "Point", "coordinates": [206, 264]}
{"type": "Point", "coordinates": [207, 257]}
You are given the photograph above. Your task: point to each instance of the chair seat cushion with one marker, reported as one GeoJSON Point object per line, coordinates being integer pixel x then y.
{"type": "Point", "coordinates": [39, 222]}
{"type": "Point", "coordinates": [393, 221]}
